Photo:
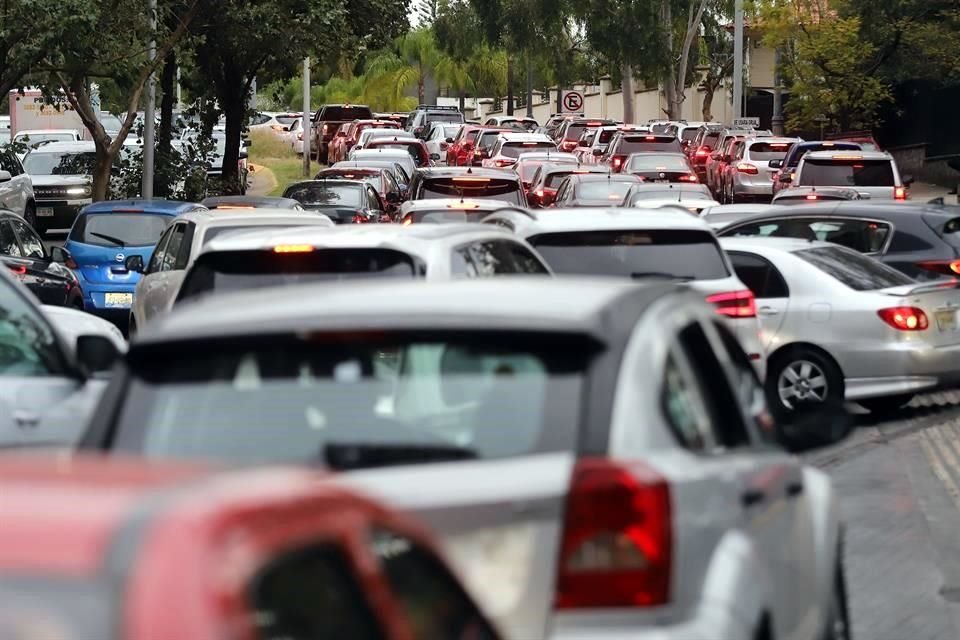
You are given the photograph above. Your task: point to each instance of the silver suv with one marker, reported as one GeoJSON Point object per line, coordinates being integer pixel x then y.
{"type": "Point", "coordinates": [873, 174]}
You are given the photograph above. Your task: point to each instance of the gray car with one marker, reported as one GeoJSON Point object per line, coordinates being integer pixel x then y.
{"type": "Point", "coordinates": [595, 456]}
{"type": "Point", "coordinates": [872, 174]}
{"type": "Point", "coordinates": [840, 325]}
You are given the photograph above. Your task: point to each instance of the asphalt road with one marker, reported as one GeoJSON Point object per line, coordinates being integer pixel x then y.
{"type": "Point", "coordinates": [899, 485]}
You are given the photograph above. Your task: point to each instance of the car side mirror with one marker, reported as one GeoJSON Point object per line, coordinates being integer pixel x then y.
{"type": "Point", "coordinates": [814, 425]}
{"type": "Point", "coordinates": [907, 179]}
{"type": "Point", "coordinates": [96, 353]}
{"type": "Point", "coordinates": [60, 255]}
{"type": "Point", "coordinates": [449, 140]}
{"type": "Point", "coordinates": [775, 164]}
{"type": "Point", "coordinates": [134, 263]}
{"type": "Point", "coordinates": [434, 156]}
{"type": "Point", "coordinates": [598, 152]}
{"type": "Point", "coordinates": [5, 176]}
{"type": "Point", "coordinates": [393, 197]}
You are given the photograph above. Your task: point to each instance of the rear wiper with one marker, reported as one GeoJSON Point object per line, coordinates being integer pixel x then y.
{"type": "Point", "coordinates": [345, 456]}
{"type": "Point", "coordinates": [661, 274]}
{"type": "Point", "coordinates": [109, 238]}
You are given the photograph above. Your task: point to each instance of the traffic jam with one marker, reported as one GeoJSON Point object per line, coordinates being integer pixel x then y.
{"type": "Point", "coordinates": [474, 380]}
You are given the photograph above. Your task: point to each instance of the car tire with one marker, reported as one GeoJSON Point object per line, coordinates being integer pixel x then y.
{"type": "Point", "coordinates": [838, 616]}
{"type": "Point", "coordinates": [886, 404]}
{"type": "Point", "coordinates": [732, 198]}
{"type": "Point", "coordinates": [802, 374]}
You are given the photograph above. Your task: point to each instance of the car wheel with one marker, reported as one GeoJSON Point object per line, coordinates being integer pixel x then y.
{"type": "Point", "coordinates": [803, 375]}
{"type": "Point", "coordinates": [886, 404]}
{"type": "Point", "coordinates": [838, 617]}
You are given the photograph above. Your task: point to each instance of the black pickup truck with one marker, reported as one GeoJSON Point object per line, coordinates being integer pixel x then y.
{"type": "Point", "coordinates": [326, 121]}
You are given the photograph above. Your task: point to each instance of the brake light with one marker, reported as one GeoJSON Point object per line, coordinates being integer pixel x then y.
{"type": "Point", "coordinates": [293, 248]}
{"type": "Point", "coordinates": [746, 167]}
{"type": "Point", "coordinates": [734, 304]}
{"type": "Point", "coordinates": [568, 145]}
{"type": "Point", "coordinates": [470, 179]}
{"type": "Point", "coordinates": [702, 152]}
{"type": "Point", "coordinates": [811, 196]}
{"type": "Point", "coordinates": [690, 177]}
{"type": "Point", "coordinates": [617, 538]}
{"type": "Point", "coordinates": [504, 163]}
{"type": "Point", "coordinates": [360, 218]}
{"type": "Point", "coordinates": [300, 136]}
{"type": "Point", "coordinates": [17, 269]}
{"type": "Point", "coordinates": [905, 318]}
{"type": "Point", "coordinates": [649, 138]}
{"type": "Point", "coordinates": [617, 162]}
{"type": "Point", "coordinates": [407, 222]}
{"type": "Point", "coordinates": [70, 263]}
{"type": "Point", "coordinates": [324, 128]}
{"type": "Point", "coordinates": [899, 193]}
{"type": "Point", "coordinates": [538, 193]}
{"type": "Point", "coordinates": [948, 267]}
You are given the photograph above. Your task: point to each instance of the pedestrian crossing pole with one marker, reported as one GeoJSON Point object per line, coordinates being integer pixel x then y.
{"type": "Point", "coordinates": [307, 134]}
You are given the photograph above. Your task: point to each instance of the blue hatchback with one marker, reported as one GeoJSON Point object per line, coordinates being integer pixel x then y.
{"type": "Point", "coordinates": [102, 236]}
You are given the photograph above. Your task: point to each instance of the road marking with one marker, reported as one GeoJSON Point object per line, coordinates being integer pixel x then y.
{"type": "Point", "coordinates": [930, 449]}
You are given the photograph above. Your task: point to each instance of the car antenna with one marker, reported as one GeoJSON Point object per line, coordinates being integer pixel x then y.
{"type": "Point", "coordinates": [469, 169]}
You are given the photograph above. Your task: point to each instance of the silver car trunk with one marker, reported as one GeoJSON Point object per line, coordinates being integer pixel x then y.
{"type": "Point", "coordinates": [940, 301]}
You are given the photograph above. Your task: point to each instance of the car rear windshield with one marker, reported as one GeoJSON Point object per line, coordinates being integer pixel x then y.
{"type": "Point", "coordinates": [442, 116]}
{"type": "Point", "coordinates": [487, 139]}
{"type": "Point", "coordinates": [240, 270]}
{"type": "Point", "coordinates": [327, 195]}
{"type": "Point", "coordinates": [668, 194]}
{"type": "Point", "coordinates": [847, 173]}
{"type": "Point", "coordinates": [507, 189]}
{"type": "Point", "coordinates": [346, 113]}
{"type": "Point", "coordinates": [352, 398]}
{"type": "Point", "coordinates": [609, 190]}
{"type": "Point", "coordinates": [682, 254]}
{"type": "Point", "coordinates": [447, 216]}
{"type": "Point", "coordinates": [688, 134]}
{"type": "Point", "coordinates": [119, 229]}
{"type": "Point", "coordinates": [640, 144]}
{"type": "Point", "coordinates": [769, 150]}
{"type": "Point", "coordinates": [41, 608]}
{"type": "Point", "coordinates": [605, 136]}
{"type": "Point", "coordinates": [39, 163]}
{"type": "Point", "coordinates": [514, 149]}
{"type": "Point", "coordinates": [653, 162]}
{"type": "Point", "coordinates": [710, 139]}
{"type": "Point", "coordinates": [803, 150]}
{"type": "Point", "coordinates": [853, 269]}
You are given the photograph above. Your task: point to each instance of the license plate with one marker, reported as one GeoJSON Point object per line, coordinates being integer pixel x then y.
{"type": "Point", "coordinates": [661, 180]}
{"type": "Point", "coordinates": [123, 300]}
{"type": "Point", "coordinates": [45, 212]}
{"type": "Point", "coordinates": [947, 320]}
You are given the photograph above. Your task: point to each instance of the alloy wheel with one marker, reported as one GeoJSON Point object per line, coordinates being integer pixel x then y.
{"type": "Point", "coordinates": [802, 380]}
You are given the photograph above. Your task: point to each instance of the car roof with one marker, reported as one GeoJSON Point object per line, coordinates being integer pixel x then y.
{"type": "Point", "coordinates": [74, 146]}
{"type": "Point", "coordinates": [882, 210]}
{"type": "Point", "coordinates": [559, 156]}
{"type": "Point", "coordinates": [770, 245]}
{"type": "Point", "coordinates": [858, 154]}
{"type": "Point", "coordinates": [771, 140]}
{"type": "Point", "coordinates": [218, 217]}
{"type": "Point", "coordinates": [255, 201]}
{"type": "Point", "coordinates": [336, 182]}
{"type": "Point", "coordinates": [161, 207]}
{"type": "Point", "coordinates": [605, 175]}
{"type": "Point", "coordinates": [29, 131]}
{"type": "Point", "coordinates": [529, 304]}
{"type": "Point", "coordinates": [525, 137]}
{"type": "Point", "coordinates": [606, 218]}
{"type": "Point", "coordinates": [427, 173]}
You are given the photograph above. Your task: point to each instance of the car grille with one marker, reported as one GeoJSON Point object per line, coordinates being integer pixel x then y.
{"type": "Point", "coordinates": [50, 192]}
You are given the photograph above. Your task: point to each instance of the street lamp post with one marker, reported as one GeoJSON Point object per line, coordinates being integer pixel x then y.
{"type": "Point", "coordinates": [305, 129]}
{"type": "Point", "coordinates": [776, 121]}
{"type": "Point", "coordinates": [738, 59]}
{"type": "Point", "coordinates": [146, 187]}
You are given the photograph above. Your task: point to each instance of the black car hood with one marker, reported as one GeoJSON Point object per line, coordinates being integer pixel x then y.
{"type": "Point", "coordinates": [339, 215]}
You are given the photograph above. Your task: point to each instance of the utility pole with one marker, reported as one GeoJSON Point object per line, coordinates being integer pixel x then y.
{"type": "Point", "coordinates": [146, 188]}
{"type": "Point", "coordinates": [529, 85]}
{"type": "Point", "coordinates": [738, 59]}
{"type": "Point", "coordinates": [307, 134]}
{"type": "Point", "coordinates": [776, 122]}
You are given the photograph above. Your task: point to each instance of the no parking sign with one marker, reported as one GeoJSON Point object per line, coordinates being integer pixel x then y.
{"type": "Point", "coordinates": [572, 102]}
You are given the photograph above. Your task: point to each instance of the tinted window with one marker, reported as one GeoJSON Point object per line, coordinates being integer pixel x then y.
{"type": "Point", "coordinates": [653, 162]}
{"type": "Point", "coordinates": [682, 254]}
{"type": "Point", "coordinates": [683, 407]}
{"type": "Point", "coordinates": [507, 190]}
{"type": "Point", "coordinates": [605, 136]}
{"type": "Point", "coordinates": [638, 144]}
{"type": "Point", "coordinates": [331, 195]}
{"type": "Point", "coordinates": [847, 173]}
{"type": "Point", "coordinates": [350, 398]}
{"type": "Point", "coordinates": [287, 120]}
{"type": "Point", "coordinates": [47, 164]}
{"type": "Point", "coordinates": [688, 134]}
{"type": "Point", "coordinates": [345, 113]}
{"type": "Point", "coordinates": [443, 116]}
{"type": "Point", "coordinates": [32, 246]}
{"type": "Point", "coordinates": [761, 277]}
{"type": "Point", "coordinates": [158, 253]}
{"type": "Point", "coordinates": [865, 236]}
{"type": "Point", "coordinates": [609, 190]}
{"type": "Point", "coordinates": [27, 345]}
{"type": "Point", "coordinates": [804, 149]}
{"type": "Point", "coordinates": [239, 270]}
{"type": "Point", "coordinates": [514, 149]}
{"type": "Point", "coordinates": [461, 264]}
{"type": "Point", "coordinates": [669, 194]}
{"type": "Point", "coordinates": [8, 240]}
{"type": "Point", "coordinates": [172, 253]}
{"type": "Point", "coordinates": [554, 179]}
{"type": "Point", "coordinates": [55, 609]}
{"type": "Point", "coordinates": [312, 593]}
{"type": "Point", "coordinates": [853, 269]}
{"type": "Point", "coordinates": [501, 257]}
{"type": "Point", "coordinates": [119, 229]}
{"type": "Point", "coordinates": [710, 139]}
{"type": "Point", "coordinates": [446, 216]}
{"type": "Point", "coordinates": [430, 597]}
{"type": "Point", "coordinates": [8, 162]}
{"type": "Point", "coordinates": [769, 150]}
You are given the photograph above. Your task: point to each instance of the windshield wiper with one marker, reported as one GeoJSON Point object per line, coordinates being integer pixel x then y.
{"type": "Point", "coordinates": [109, 238]}
{"type": "Point", "coordinates": [661, 274]}
{"type": "Point", "coordinates": [345, 456]}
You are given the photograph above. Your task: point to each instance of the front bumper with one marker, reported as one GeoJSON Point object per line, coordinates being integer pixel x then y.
{"type": "Point", "coordinates": [59, 214]}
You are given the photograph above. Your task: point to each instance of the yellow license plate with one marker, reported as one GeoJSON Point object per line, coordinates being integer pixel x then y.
{"type": "Point", "coordinates": [118, 299]}
{"type": "Point", "coordinates": [947, 320]}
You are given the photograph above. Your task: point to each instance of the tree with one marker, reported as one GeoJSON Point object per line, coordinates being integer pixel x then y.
{"type": "Point", "coordinates": [682, 29]}
{"type": "Point", "coordinates": [29, 29]}
{"type": "Point", "coordinates": [716, 59]}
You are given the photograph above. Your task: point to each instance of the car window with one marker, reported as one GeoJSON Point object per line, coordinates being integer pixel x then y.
{"type": "Point", "coordinates": [312, 593]}
{"type": "Point", "coordinates": [32, 246]}
{"type": "Point", "coordinates": [612, 191]}
{"type": "Point", "coordinates": [9, 162]}
{"type": "Point", "coordinates": [461, 264]}
{"type": "Point", "coordinates": [119, 229]}
{"type": "Point", "coordinates": [857, 271]}
{"type": "Point", "coordinates": [431, 599]}
{"type": "Point", "coordinates": [506, 189]}
{"type": "Point", "coordinates": [865, 236]}
{"type": "Point", "coordinates": [499, 257]}
{"type": "Point", "coordinates": [159, 253]}
{"type": "Point", "coordinates": [747, 387]}
{"type": "Point", "coordinates": [8, 240]}
{"type": "Point", "coordinates": [846, 173]}
{"type": "Point", "coordinates": [28, 347]}
{"type": "Point", "coordinates": [683, 406]}
{"type": "Point", "coordinates": [524, 259]}
{"type": "Point", "coordinates": [761, 277]}
{"type": "Point", "coordinates": [173, 248]}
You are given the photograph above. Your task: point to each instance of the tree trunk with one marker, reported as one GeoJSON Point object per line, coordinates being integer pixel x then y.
{"type": "Point", "coordinates": [626, 90]}
{"type": "Point", "coordinates": [421, 93]}
{"type": "Point", "coordinates": [234, 110]}
{"type": "Point", "coordinates": [163, 174]}
{"type": "Point", "coordinates": [510, 99]}
{"type": "Point", "coordinates": [463, 100]}
{"type": "Point", "coordinates": [708, 90]}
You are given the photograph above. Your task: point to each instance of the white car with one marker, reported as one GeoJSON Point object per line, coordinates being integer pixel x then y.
{"type": "Point", "coordinates": [441, 135]}
{"type": "Point", "coordinates": [633, 243]}
{"type": "Point", "coordinates": [371, 133]}
{"type": "Point", "coordinates": [33, 138]}
{"type": "Point", "coordinates": [73, 323]}
{"type": "Point", "coordinates": [183, 240]}
{"type": "Point", "coordinates": [16, 188]}
{"type": "Point", "coordinates": [509, 146]}
{"type": "Point", "coordinates": [694, 205]}
{"type": "Point", "coordinates": [872, 174]}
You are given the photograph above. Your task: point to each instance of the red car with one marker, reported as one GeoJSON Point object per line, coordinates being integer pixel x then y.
{"type": "Point", "coordinates": [460, 152]}
{"type": "Point", "coordinates": [414, 146]}
{"type": "Point", "coordinates": [347, 137]}
{"type": "Point", "coordinates": [96, 548]}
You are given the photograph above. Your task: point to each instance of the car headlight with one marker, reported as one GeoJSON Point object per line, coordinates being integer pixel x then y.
{"type": "Point", "coordinates": [79, 191]}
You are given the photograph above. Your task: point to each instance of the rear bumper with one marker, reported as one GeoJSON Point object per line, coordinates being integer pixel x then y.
{"type": "Point", "coordinates": [95, 298]}
{"type": "Point", "coordinates": [709, 622]}
{"type": "Point", "coordinates": [751, 188]}
{"type": "Point", "coordinates": [902, 368]}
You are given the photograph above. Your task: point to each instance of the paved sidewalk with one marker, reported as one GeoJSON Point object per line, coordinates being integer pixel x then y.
{"type": "Point", "coordinates": [922, 192]}
{"type": "Point", "coordinates": [262, 181]}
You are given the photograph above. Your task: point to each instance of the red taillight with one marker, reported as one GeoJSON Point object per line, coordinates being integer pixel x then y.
{"type": "Point", "coordinates": [360, 218]}
{"type": "Point", "coordinates": [17, 269]}
{"type": "Point", "coordinates": [735, 304]}
{"type": "Point", "coordinates": [899, 193]}
{"type": "Point", "coordinates": [688, 178]}
{"type": "Point", "coordinates": [538, 193]}
{"type": "Point", "coordinates": [811, 196]}
{"type": "Point", "coordinates": [407, 221]}
{"type": "Point", "coordinates": [504, 163]}
{"type": "Point", "coordinates": [948, 267]}
{"type": "Point", "coordinates": [300, 136]}
{"type": "Point", "coordinates": [617, 162]}
{"type": "Point", "coordinates": [702, 152]}
{"type": "Point", "coordinates": [746, 167]}
{"type": "Point", "coordinates": [617, 538]}
{"type": "Point", "coordinates": [905, 318]}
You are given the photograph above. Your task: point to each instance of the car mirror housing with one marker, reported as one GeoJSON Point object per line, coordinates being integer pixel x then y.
{"type": "Point", "coordinates": [134, 263]}
{"type": "Point", "coordinates": [5, 176]}
{"type": "Point", "coordinates": [775, 164]}
{"type": "Point", "coordinates": [598, 152]}
{"type": "Point", "coordinates": [393, 197]}
{"type": "Point", "coordinates": [814, 425]}
{"type": "Point", "coordinates": [96, 353]}
{"type": "Point", "coordinates": [60, 255]}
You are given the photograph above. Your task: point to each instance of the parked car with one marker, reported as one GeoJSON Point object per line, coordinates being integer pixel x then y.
{"type": "Point", "coordinates": [785, 168]}
{"type": "Point", "coordinates": [456, 182]}
{"type": "Point", "coordinates": [301, 556]}
{"type": "Point", "coordinates": [162, 271]}
{"type": "Point", "coordinates": [504, 413]}
{"type": "Point", "coordinates": [840, 325]}
{"type": "Point", "coordinates": [872, 174]}
{"type": "Point", "coordinates": [100, 240]}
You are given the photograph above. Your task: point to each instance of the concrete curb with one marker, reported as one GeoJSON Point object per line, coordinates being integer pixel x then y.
{"type": "Point", "coordinates": [263, 180]}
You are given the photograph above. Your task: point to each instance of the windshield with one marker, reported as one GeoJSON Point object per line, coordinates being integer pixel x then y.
{"type": "Point", "coordinates": [445, 116]}
{"type": "Point", "coordinates": [53, 609]}
{"type": "Point", "coordinates": [473, 188]}
{"type": "Point", "coordinates": [683, 254]}
{"type": "Point", "coordinates": [40, 163]}
{"type": "Point", "coordinates": [346, 113]}
{"type": "Point", "coordinates": [638, 144]}
{"type": "Point", "coordinates": [34, 140]}
{"type": "Point", "coordinates": [328, 396]}
{"type": "Point", "coordinates": [603, 190]}
{"type": "Point", "coordinates": [446, 216]}
{"type": "Point", "coordinates": [654, 162]}
{"type": "Point", "coordinates": [514, 149]}
{"type": "Point", "coordinates": [854, 269]}
{"type": "Point", "coordinates": [847, 173]}
{"type": "Point", "coordinates": [373, 179]}
{"type": "Point", "coordinates": [288, 119]}
{"type": "Point", "coordinates": [327, 195]}
{"type": "Point", "coordinates": [119, 229]}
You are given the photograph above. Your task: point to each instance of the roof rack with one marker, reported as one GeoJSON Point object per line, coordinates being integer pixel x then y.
{"type": "Point", "coordinates": [437, 107]}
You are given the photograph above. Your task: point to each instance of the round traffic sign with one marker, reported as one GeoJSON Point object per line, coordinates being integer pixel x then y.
{"type": "Point", "coordinates": [573, 101]}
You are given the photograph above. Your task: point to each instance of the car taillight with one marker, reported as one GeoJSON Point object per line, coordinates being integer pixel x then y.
{"type": "Point", "coordinates": [905, 318]}
{"type": "Point", "coordinates": [300, 136]}
{"type": "Point", "coordinates": [324, 128]}
{"type": "Point", "coordinates": [568, 145]}
{"type": "Point", "coordinates": [617, 162]}
{"type": "Point", "coordinates": [690, 177]}
{"type": "Point", "coordinates": [17, 269]}
{"type": "Point", "coordinates": [538, 193]}
{"type": "Point", "coordinates": [734, 304]}
{"type": "Point", "coordinates": [746, 167]}
{"type": "Point", "coordinates": [361, 218]}
{"type": "Point", "coordinates": [407, 221]}
{"type": "Point", "coordinates": [617, 548]}
{"type": "Point", "coordinates": [504, 163]}
{"type": "Point", "coordinates": [70, 263]}
{"type": "Point", "coordinates": [947, 267]}
{"type": "Point", "coordinates": [811, 196]}
{"type": "Point", "coordinates": [899, 193]}
{"type": "Point", "coordinates": [702, 152]}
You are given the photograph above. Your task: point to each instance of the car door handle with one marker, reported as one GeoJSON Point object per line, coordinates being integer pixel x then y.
{"type": "Point", "coordinates": [26, 419]}
{"type": "Point", "coordinates": [794, 488]}
{"type": "Point", "coordinates": [752, 497]}
{"type": "Point", "coordinates": [768, 311]}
